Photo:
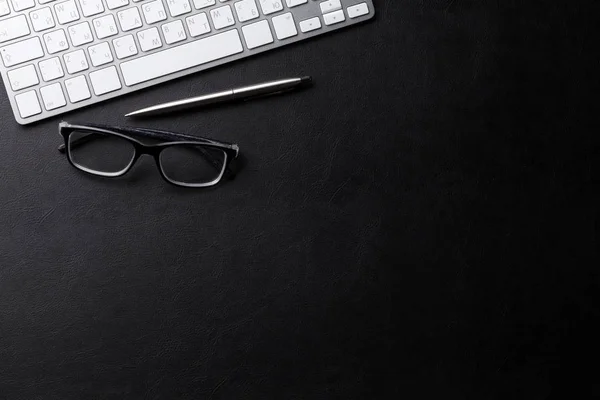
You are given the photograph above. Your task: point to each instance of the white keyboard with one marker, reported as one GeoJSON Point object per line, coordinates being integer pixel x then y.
{"type": "Point", "coordinates": [59, 55]}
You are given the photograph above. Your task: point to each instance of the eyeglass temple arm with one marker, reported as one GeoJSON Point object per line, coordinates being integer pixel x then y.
{"type": "Point", "coordinates": [150, 134]}
{"type": "Point", "coordinates": [166, 135]}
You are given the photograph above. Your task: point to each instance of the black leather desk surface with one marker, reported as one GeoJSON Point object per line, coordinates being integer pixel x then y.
{"type": "Point", "coordinates": [415, 224]}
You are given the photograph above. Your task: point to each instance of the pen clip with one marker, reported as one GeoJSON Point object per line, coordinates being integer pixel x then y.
{"type": "Point", "coordinates": [267, 94]}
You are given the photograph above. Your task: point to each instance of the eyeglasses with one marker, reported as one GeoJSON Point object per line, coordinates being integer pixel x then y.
{"type": "Point", "coordinates": [111, 151]}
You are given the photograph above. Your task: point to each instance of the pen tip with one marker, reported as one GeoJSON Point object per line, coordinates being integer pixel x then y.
{"type": "Point", "coordinates": [307, 80]}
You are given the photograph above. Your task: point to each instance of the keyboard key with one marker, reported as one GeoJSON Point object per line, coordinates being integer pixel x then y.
{"type": "Point", "coordinates": [334, 18]}
{"type": "Point", "coordinates": [4, 8]}
{"type": "Point", "coordinates": [112, 4]}
{"type": "Point", "coordinates": [358, 10]}
{"type": "Point", "coordinates": [310, 24]}
{"type": "Point", "coordinates": [105, 80]}
{"type": "Point", "coordinates": [13, 28]}
{"type": "Point", "coordinates": [91, 7]}
{"type": "Point", "coordinates": [181, 57]}
{"type": "Point", "coordinates": [100, 54]}
{"type": "Point", "coordinates": [125, 47]}
{"type": "Point", "coordinates": [285, 26]}
{"type": "Point", "coordinates": [129, 19]}
{"type": "Point", "coordinates": [28, 104]}
{"type": "Point", "coordinates": [56, 41]}
{"type": "Point", "coordinates": [173, 32]}
{"type": "Point", "coordinates": [246, 10]}
{"type": "Point", "coordinates": [81, 34]}
{"type": "Point", "coordinates": [154, 11]}
{"type": "Point", "coordinates": [222, 17]}
{"type": "Point", "coordinates": [20, 5]}
{"type": "Point", "coordinates": [294, 3]}
{"type": "Point", "coordinates": [198, 24]}
{"type": "Point", "coordinates": [330, 5]}
{"type": "Point", "coordinates": [51, 69]}
{"type": "Point", "coordinates": [77, 89]}
{"type": "Point", "coordinates": [149, 39]}
{"type": "Point", "coordinates": [271, 6]}
{"type": "Point", "coordinates": [66, 12]}
{"type": "Point", "coordinates": [21, 52]}
{"type": "Point", "coordinates": [178, 7]}
{"type": "Point", "coordinates": [53, 96]}
{"type": "Point", "coordinates": [105, 26]}
{"type": "Point", "coordinates": [76, 61]}
{"type": "Point", "coordinates": [203, 3]}
{"type": "Point", "coordinates": [23, 77]}
{"type": "Point", "coordinates": [42, 19]}
{"type": "Point", "coordinates": [257, 34]}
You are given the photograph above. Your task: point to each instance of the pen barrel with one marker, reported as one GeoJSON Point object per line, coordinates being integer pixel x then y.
{"type": "Point", "coordinates": [206, 100]}
{"type": "Point", "coordinates": [180, 105]}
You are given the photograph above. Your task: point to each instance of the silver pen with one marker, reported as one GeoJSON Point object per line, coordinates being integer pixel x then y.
{"type": "Point", "coordinates": [243, 93]}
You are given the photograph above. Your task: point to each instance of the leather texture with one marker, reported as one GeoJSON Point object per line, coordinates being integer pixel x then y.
{"type": "Point", "coordinates": [420, 223]}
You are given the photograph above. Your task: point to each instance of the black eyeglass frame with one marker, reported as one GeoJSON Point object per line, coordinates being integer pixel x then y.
{"type": "Point", "coordinates": [231, 150]}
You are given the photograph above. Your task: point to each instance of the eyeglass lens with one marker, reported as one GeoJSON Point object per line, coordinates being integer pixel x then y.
{"type": "Point", "coordinates": [100, 153]}
{"type": "Point", "coordinates": [192, 165]}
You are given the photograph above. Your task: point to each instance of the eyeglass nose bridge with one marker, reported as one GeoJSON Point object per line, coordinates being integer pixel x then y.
{"type": "Point", "coordinates": [151, 151]}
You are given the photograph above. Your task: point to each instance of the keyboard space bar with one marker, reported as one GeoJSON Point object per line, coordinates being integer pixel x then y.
{"type": "Point", "coordinates": [181, 57]}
